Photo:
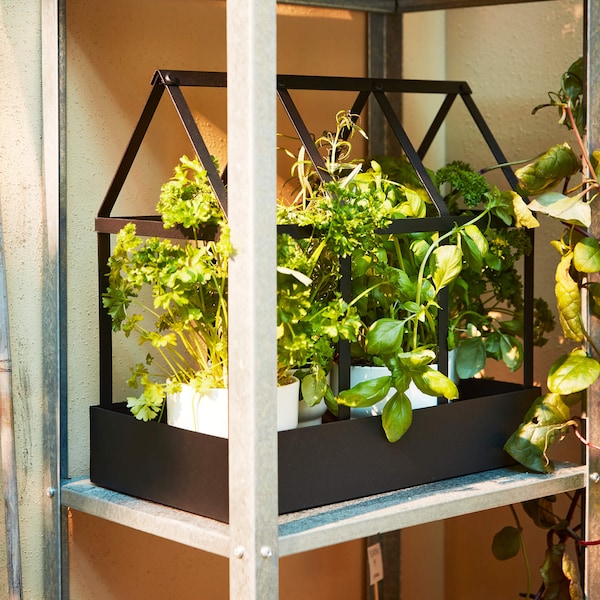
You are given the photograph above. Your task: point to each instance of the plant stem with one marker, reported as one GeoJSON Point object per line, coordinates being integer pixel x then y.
{"type": "Point", "coordinates": [523, 549]}
{"type": "Point", "coordinates": [581, 145]}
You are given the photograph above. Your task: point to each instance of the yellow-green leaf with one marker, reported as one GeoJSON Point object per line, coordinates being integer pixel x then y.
{"type": "Point", "coordinates": [366, 393]}
{"type": "Point", "coordinates": [573, 373]}
{"type": "Point", "coordinates": [549, 169]}
{"type": "Point", "coordinates": [586, 255]}
{"type": "Point", "coordinates": [523, 214]}
{"type": "Point", "coordinates": [570, 209]}
{"type": "Point", "coordinates": [434, 383]}
{"type": "Point", "coordinates": [545, 420]}
{"type": "Point", "coordinates": [568, 300]}
{"type": "Point", "coordinates": [447, 265]}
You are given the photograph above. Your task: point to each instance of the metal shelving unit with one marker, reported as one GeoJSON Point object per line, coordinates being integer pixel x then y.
{"type": "Point", "coordinates": [257, 537]}
{"type": "Point", "coordinates": [336, 523]}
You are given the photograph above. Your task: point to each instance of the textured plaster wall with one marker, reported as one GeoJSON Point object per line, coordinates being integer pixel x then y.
{"type": "Point", "coordinates": [26, 253]}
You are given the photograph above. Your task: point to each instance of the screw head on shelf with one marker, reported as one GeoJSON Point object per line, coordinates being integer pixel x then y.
{"type": "Point", "coordinates": [595, 477]}
{"type": "Point", "coordinates": [239, 551]}
{"type": "Point", "coordinates": [266, 552]}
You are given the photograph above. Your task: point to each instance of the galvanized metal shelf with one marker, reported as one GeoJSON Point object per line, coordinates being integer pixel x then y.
{"type": "Point", "coordinates": [336, 523]}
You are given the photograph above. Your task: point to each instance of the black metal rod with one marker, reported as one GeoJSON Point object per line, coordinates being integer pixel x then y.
{"type": "Point", "coordinates": [210, 79]}
{"type": "Point", "coordinates": [191, 128]}
{"type": "Point", "coordinates": [436, 124]}
{"type": "Point", "coordinates": [303, 134]}
{"type": "Point", "coordinates": [131, 151]}
{"type": "Point", "coordinates": [411, 153]}
{"type": "Point", "coordinates": [369, 84]}
{"type": "Point", "coordinates": [105, 324]}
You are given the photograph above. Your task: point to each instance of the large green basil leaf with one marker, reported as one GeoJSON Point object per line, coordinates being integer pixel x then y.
{"type": "Point", "coordinates": [546, 419]}
{"type": "Point", "coordinates": [573, 373]}
{"type": "Point", "coordinates": [433, 383]}
{"type": "Point", "coordinates": [384, 337]}
{"type": "Point", "coordinates": [470, 357]}
{"type": "Point", "coordinates": [586, 255]}
{"type": "Point", "coordinates": [397, 416]}
{"type": "Point", "coordinates": [568, 300]}
{"type": "Point", "coordinates": [447, 265]}
{"type": "Point", "coordinates": [366, 393]}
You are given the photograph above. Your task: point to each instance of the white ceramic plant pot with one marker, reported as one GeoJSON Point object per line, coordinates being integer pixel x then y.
{"type": "Point", "coordinates": [417, 398]}
{"type": "Point", "coordinates": [287, 405]}
{"type": "Point", "coordinates": [208, 413]}
{"type": "Point", "coordinates": [311, 415]}
{"type": "Point", "coordinates": [205, 413]}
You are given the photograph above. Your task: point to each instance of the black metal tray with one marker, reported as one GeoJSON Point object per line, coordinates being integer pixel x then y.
{"type": "Point", "coordinates": [318, 465]}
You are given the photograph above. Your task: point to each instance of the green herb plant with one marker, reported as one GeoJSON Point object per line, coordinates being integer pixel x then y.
{"type": "Point", "coordinates": [396, 279]}
{"type": "Point", "coordinates": [173, 296]}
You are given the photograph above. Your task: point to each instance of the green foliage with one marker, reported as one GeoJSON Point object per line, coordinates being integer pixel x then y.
{"type": "Point", "coordinates": [173, 296]}
{"type": "Point", "coordinates": [579, 260]}
{"type": "Point", "coordinates": [559, 574]}
{"type": "Point", "coordinates": [507, 542]}
{"type": "Point", "coordinates": [550, 169]}
{"type": "Point", "coordinates": [465, 183]}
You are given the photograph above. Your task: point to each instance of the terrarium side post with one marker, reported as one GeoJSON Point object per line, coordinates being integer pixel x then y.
{"type": "Point", "coordinates": [252, 141]}
{"type": "Point", "coordinates": [592, 504]}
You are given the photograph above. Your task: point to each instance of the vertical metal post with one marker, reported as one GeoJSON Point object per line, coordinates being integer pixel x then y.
{"type": "Point", "coordinates": [251, 104]}
{"type": "Point", "coordinates": [54, 341]}
{"type": "Point", "coordinates": [384, 60]}
{"type": "Point", "coordinates": [592, 504]}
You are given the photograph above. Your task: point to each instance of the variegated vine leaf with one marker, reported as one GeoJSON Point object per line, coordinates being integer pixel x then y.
{"type": "Point", "coordinates": [548, 417]}
{"type": "Point", "coordinates": [573, 372]}
{"type": "Point", "coordinates": [548, 170]}
{"type": "Point", "coordinates": [568, 300]}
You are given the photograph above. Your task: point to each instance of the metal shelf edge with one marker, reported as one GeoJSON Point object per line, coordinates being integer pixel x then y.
{"type": "Point", "coordinates": [333, 524]}
{"type": "Point", "coordinates": [427, 503]}
{"type": "Point", "coordinates": [162, 521]}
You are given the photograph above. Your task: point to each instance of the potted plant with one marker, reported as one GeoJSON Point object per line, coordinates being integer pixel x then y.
{"type": "Point", "coordinates": [397, 279]}
{"type": "Point", "coordinates": [173, 297]}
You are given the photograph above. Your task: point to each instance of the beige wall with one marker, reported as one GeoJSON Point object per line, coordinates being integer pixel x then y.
{"type": "Point", "coordinates": [27, 252]}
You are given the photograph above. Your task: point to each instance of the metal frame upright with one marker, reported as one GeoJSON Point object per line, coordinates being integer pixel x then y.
{"type": "Point", "coordinates": [254, 537]}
